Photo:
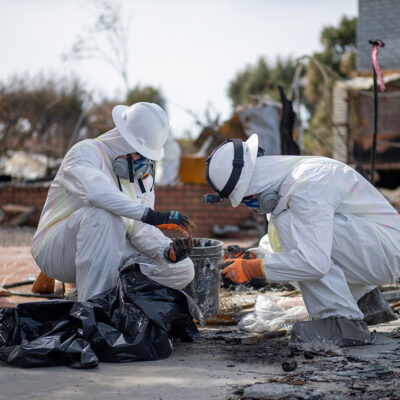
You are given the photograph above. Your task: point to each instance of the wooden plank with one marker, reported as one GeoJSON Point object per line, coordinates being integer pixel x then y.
{"type": "Point", "coordinates": [23, 214]}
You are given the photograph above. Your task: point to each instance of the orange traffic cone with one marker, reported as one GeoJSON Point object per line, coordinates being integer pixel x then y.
{"type": "Point", "coordinates": [43, 284]}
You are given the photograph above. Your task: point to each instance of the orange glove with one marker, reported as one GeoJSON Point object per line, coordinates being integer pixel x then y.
{"type": "Point", "coordinates": [234, 251]}
{"type": "Point", "coordinates": [241, 270]}
{"type": "Point", "coordinates": [178, 250]}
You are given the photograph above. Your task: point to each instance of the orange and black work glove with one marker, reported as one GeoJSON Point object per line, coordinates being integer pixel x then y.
{"type": "Point", "coordinates": [241, 270]}
{"type": "Point", "coordinates": [235, 251]}
{"type": "Point", "coordinates": [178, 250]}
{"type": "Point", "coordinates": [169, 220]}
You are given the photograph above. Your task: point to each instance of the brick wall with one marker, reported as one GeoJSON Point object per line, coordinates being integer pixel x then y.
{"type": "Point", "coordinates": [186, 198]}
{"type": "Point", "coordinates": [25, 195]}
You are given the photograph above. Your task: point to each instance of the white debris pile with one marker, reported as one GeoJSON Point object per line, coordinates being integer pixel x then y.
{"type": "Point", "coordinates": [22, 165]}
{"type": "Point", "coordinates": [272, 313]}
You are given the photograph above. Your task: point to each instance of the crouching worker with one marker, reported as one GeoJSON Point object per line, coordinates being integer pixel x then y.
{"type": "Point", "coordinates": [99, 209]}
{"type": "Point", "coordinates": [330, 230]}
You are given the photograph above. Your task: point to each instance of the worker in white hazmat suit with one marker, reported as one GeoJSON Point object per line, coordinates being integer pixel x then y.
{"type": "Point", "coordinates": [330, 230]}
{"type": "Point", "coordinates": [99, 209]}
{"type": "Point", "coordinates": [167, 169]}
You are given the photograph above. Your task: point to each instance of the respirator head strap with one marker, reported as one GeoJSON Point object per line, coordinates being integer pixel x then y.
{"type": "Point", "coordinates": [237, 165]}
{"type": "Point", "coordinates": [130, 167]}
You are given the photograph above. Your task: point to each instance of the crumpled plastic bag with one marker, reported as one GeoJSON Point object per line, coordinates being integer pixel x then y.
{"type": "Point", "coordinates": [134, 321]}
{"type": "Point", "coordinates": [269, 316]}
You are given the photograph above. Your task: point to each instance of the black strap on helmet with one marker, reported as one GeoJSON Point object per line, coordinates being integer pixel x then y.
{"type": "Point", "coordinates": [130, 167]}
{"type": "Point", "coordinates": [237, 165]}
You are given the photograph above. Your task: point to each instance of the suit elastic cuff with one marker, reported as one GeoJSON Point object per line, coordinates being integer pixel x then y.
{"type": "Point", "coordinates": [262, 268]}
{"type": "Point", "coordinates": [145, 213]}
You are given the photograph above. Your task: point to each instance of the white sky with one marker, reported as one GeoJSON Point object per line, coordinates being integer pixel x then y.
{"type": "Point", "coordinates": [189, 49]}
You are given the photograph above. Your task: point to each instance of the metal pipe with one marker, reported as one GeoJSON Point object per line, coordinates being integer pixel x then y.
{"type": "Point", "coordinates": [16, 284]}
{"type": "Point", "coordinates": [375, 132]}
{"type": "Point", "coordinates": [41, 295]}
{"type": "Point", "coordinates": [375, 68]}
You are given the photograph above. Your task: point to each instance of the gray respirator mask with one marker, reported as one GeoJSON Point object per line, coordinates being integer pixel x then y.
{"type": "Point", "coordinates": [264, 203]}
{"type": "Point", "coordinates": [129, 169]}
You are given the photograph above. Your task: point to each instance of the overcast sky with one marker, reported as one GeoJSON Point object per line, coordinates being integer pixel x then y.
{"type": "Point", "coordinates": [189, 49]}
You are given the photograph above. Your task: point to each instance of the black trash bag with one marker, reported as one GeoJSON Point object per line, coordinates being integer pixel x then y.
{"type": "Point", "coordinates": [147, 314]}
{"type": "Point", "coordinates": [135, 321]}
{"type": "Point", "coordinates": [43, 334]}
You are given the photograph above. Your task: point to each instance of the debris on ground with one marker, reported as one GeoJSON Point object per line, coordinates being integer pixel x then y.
{"type": "Point", "coordinates": [330, 372]}
{"type": "Point", "coordinates": [289, 366]}
{"type": "Point", "coordinates": [279, 391]}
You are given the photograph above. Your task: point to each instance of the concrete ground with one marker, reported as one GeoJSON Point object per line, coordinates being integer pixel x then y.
{"type": "Point", "coordinates": [189, 373]}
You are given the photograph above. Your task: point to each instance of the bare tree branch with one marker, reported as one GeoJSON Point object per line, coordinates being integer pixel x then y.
{"type": "Point", "coordinates": [107, 39]}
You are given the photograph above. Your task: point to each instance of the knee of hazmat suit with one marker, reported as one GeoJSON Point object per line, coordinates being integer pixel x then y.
{"type": "Point", "coordinates": [311, 191]}
{"type": "Point", "coordinates": [176, 276]}
{"type": "Point", "coordinates": [86, 178]}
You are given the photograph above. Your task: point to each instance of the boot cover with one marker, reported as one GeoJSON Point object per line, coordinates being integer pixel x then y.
{"type": "Point", "coordinates": [375, 308]}
{"type": "Point", "coordinates": [336, 330]}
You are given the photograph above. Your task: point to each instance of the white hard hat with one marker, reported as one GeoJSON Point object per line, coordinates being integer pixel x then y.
{"type": "Point", "coordinates": [229, 169]}
{"type": "Point", "coordinates": [144, 126]}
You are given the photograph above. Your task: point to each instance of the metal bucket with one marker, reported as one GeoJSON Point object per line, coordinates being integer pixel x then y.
{"type": "Point", "coordinates": [206, 256]}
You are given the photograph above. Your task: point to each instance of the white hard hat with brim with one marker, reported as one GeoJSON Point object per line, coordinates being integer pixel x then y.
{"type": "Point", "coordinates": [144, 126]}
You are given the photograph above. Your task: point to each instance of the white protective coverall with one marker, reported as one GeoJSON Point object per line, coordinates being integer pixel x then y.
{"type": "Point", "coordinates": [167, 170]}
{"type": "Point", "coordinates": [331, 232]}
{"type": "Point", "coordinates": [88, 226]}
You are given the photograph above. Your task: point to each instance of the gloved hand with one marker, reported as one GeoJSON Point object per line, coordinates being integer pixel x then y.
{"type": "Point", "coordinates": [240, 270]}
{"type": "Point", "coordinates": [169, 220]}
{"type": "Point", "coordinates": [178, 250]}
{"type": "Point", "coordinates": [235, 251]}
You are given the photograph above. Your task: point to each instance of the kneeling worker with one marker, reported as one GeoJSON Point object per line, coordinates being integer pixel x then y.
{"type": "Point", "coordinates": [99, 209]}
{"type": "Point", "coordinates": [331, 231]}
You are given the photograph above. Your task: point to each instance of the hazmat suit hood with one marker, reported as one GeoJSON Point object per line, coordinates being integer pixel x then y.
{"type": "Point", "coordinates": [269, 173]}
{"type": "Point", "coordinates": [115, 144]}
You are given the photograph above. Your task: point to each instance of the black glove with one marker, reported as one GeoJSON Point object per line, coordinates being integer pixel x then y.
{"type": "Point", "coordinates": [169, 220]}
{"type": "Point", "coordinates": [178, 250]}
